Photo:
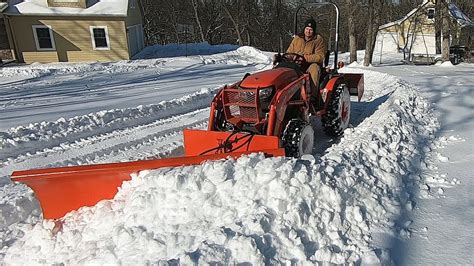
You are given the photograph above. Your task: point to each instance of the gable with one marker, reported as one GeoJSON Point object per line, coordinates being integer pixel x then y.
{"type": "Point", "coordinates": [407, 16]}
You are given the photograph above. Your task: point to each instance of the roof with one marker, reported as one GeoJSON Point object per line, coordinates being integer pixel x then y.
{"type": "Point", "coordinates": [3, 6]}
{"type": "Point", "coordinates": [459, 16]}
{"type": "Point", "coordinates": [400, 21]}
{"type": "Point", "coordinates": [94, 8]}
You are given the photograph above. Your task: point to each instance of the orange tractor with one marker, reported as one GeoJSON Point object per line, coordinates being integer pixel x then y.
{"type": "Point", "coordinates": [268, 112]}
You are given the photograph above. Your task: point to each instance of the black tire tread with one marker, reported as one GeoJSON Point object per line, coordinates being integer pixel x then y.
{"type": "Point", "coordinates": [331, 120]}
{"type": "Point", "coordinates": [292, 136]}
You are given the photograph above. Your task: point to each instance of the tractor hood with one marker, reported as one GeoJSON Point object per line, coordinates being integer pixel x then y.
{"type": "Point", "coordinates": [278, 77]}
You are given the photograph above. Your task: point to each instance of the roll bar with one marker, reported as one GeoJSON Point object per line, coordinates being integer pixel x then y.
{"type": "Point", "coordinates": [336, 39]}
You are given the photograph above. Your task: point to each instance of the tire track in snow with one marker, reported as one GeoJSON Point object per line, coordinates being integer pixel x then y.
{"type": "Point", "coordinates": [27, 140]}
{"type": "Point", "coordinates": [162, 138]}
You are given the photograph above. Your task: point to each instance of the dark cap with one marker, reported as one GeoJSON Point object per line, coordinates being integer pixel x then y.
{"type": "Point", "coordinates": [310, 23]}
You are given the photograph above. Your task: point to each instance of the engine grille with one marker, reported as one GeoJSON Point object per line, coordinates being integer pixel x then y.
{"type": "Point", "coordinates": [242, 104]}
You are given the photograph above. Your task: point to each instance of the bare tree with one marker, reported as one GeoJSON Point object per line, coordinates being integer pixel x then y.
{"type": "Point", "coordinates": [351, 8]}
{"type": "Point", "coordinates": [375, 8]}
{"type": "Point", "coordinates": [438, 25]}
{"type": "Point", "coordinates": [198, 21]}
{"type": "Point", "coordinates": [370, 33]}
{"type": "Point", "coordinates": [445, 32]}
{"type": "Point", "coordinates": [235, 24]}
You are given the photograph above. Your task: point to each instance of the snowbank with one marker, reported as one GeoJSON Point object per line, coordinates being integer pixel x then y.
{"type": "Point", "coordinates": [224, 53]}
{"type": "Point", "coordinates": [174, 50]}
{"type": "Point", "coordinates": [37, 70]}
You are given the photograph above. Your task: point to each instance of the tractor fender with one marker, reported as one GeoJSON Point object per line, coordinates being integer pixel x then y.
{"type": "Point", "coordinates": [216, 104]}
{"type": "Point", "coordinates": [330, 86]}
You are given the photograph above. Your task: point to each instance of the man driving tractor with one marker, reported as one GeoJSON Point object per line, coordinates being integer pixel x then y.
{"type": "Point", "coordinates": [311, 47]}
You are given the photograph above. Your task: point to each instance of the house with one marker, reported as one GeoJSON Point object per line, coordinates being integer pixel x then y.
{"type": "Point", "coordinates": [74, 30]}
{"type": "Point", "coordinates": [415, 32]}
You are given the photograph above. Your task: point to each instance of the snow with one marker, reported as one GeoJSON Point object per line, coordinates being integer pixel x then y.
{"type": "Point", "coordinates": [446, 64]}
{"type": "Point", "coordinates": [40, 7]}
{"type": "Point", "coordinates": [3, 6]}
{"type": "Point", "coordinates": [370, 197]}
{"type": "Point", "coordinates": [96, 87]}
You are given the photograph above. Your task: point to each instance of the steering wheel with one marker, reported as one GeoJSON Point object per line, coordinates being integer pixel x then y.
{"type": "Point", "coordinates": [292, 58]}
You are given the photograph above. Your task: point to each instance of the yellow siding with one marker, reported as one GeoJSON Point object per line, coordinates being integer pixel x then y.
{"type": "Point", "coordinates": [78, 4]}
{"type": "Point", "coordinates": [72, 38]}
{"type": "Point", "coordinates": [423, 25]}
{"type": "Point", "coordinates": [42, 57]}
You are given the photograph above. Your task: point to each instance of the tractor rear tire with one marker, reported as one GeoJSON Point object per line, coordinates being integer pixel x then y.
{"type": "Point", "coordinates": [338, 112]}
{"type": "Point", "coordinates": [298, 138]}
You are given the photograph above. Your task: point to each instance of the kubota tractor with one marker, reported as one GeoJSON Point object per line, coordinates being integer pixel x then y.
{"type": "Point", "coordinates": [266, 112]}
{"type": "Point", "coordinates": [276, 103]}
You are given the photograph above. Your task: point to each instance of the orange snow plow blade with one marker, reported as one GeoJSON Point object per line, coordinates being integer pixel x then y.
{"type": "Point", "coordinates": [61, 190]}
{"type": "Point", "coordinates": [202, 142]}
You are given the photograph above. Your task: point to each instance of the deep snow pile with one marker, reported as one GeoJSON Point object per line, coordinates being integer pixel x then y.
{"type": "Point", "coordinates": [258, 210]}
{"type": "Point", "coordinates": [36, 70]}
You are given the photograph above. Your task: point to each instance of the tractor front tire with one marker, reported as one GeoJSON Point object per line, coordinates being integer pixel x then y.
{"type": "Point", "coordinates": [298, 138]}
{"type": "Point", "coordinates": [338, 112]}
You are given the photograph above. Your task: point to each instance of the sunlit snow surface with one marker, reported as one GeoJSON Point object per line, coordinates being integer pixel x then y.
{"type": "Point", "coordinates": [340, 205]}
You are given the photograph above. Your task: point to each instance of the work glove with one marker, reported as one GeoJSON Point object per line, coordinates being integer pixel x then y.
{"type": "Point", "coordinates": [276, 58]}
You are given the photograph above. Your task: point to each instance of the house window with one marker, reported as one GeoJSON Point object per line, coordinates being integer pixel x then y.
{"type": "Point", "coordinates": [132, 3]}
{"type": "Point", "coordinates": [431, 13]}
{"type": "Point", "coordinates": [43, 38]}
{"type": "Point", "coordinates": [100, 38]}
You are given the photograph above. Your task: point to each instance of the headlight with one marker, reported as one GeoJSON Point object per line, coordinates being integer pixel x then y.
{"type": "Point", "coordinates": [265, 93]}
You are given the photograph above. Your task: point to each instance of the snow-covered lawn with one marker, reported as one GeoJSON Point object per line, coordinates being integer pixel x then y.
{"type": "Point", "coordinates": [358, 199]}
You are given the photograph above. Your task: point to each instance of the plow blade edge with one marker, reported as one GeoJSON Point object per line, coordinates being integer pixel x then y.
{"type": "Point", "coordinates": [61, 190]}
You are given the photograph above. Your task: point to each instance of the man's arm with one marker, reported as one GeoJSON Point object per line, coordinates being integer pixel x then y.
{"type": "Point", "coordinates": [319, 53]}
{"type": "Point", "coordinates": [291, 48]}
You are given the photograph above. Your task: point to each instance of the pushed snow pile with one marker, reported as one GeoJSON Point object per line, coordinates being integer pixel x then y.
{"type": "Point", "coordinates": [174, 50]}
{"type": "Point", "coordinates": [257, 210]}
{"type": "Point", "coordinates": [244, 55]}
{"type": "Point", "coordinates": [446, 64]}
{"type": "Point", "coordinates": [37, 70]}
{"type": "Point", "coordinates": [209, 54]}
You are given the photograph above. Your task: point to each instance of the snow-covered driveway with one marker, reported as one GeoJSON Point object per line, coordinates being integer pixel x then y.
{"type": "Point", "coordinates": [444, 223]}
{"type": "Point", "coordinates": [47, 92]}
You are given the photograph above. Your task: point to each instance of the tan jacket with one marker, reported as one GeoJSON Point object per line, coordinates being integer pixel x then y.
{"type": "Point", "coordinates": [313, 50]}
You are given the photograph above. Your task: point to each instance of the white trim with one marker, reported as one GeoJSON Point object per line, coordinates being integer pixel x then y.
{"type": "Point", "coordinates": [3, 6]}
{"type": "Point", "coordinates": [34, 27]}
{"type": "Point", "coordinates": [91, 28]}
